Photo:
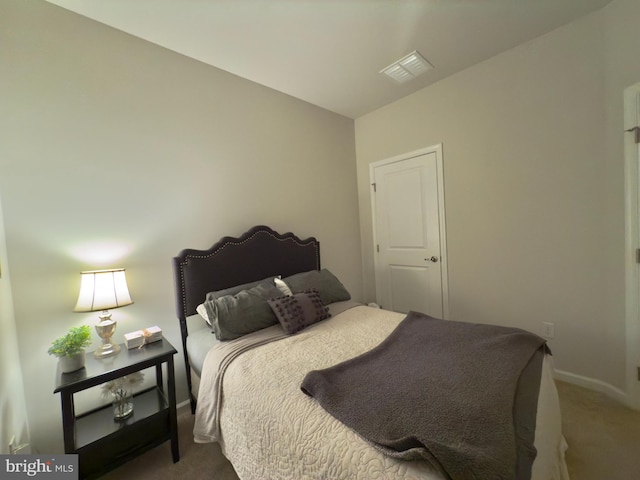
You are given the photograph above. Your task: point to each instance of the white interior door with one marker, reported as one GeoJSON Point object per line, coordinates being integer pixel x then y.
{"type": "Point", "coordinates": [632, 240]}
{"type": "Point", "coordinates": [408, 210]}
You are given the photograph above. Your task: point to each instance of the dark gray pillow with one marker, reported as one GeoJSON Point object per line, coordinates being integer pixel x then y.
{"type": "Point", "coordinates": [298, 311]}
{"type": "Point", "coordinates": [323, 281]}
{"type": "Point", "coordinates": [238, 288]}
{"type": "Point", "coordinates": [245, 312]}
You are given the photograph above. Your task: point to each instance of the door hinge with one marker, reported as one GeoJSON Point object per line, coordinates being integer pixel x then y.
{"type": "Point", "coordinates": [637, 255]}
{"type": "Point", "coordinates": [378, 248]}
{"type": "Point", "coordinates": [374, 187]}
{"type": "Point", "coordinates": [636, 131]}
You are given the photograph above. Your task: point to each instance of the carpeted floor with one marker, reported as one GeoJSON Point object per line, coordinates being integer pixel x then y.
{"type": "Point", "coordinates": [197, 461]}
{"type": "Point", "coordinates": [603, 438]}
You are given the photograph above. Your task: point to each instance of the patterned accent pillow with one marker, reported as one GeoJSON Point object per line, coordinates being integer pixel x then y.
{"type": "Point", "coordinates": [298, 311]}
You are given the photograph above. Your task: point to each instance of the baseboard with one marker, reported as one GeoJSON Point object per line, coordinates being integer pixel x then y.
{"type": "Point", "coordinates": [183, 406]}
{"type": "Point", "coordinates": [598, 386]}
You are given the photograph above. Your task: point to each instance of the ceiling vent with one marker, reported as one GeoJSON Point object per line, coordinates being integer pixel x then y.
{"type": "Point", "coordinates": [407, 68]}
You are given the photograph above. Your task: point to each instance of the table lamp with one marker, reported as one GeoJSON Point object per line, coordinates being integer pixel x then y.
{"type": "Point", "coordinates": [101, 290]}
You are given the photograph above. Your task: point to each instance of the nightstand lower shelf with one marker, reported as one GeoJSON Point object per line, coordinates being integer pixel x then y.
{"type": "Point", "coordinates": [99, 424]}
{"type": "Point", "coordinates": [104, 444]}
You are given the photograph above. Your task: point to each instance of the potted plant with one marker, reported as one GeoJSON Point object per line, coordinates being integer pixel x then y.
{"type": "Point", "coordinates": [70, 349]}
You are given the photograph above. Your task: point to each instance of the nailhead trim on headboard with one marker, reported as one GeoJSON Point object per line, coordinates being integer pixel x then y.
{"type": "Point", "coordinates": [227, 241]}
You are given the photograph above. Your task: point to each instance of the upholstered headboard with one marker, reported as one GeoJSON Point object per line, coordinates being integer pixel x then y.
{"type": "Point", "coordinates": [257, 254]}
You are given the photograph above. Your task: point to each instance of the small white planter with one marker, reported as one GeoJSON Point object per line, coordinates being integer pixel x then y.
{"type": "Point", "coordinates": [72, 363]}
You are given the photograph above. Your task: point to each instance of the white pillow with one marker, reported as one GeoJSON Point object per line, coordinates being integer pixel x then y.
{"type": "Point", "coordinates": [283, 287]}
{"type": "Point", "coordinates": [202, 311]}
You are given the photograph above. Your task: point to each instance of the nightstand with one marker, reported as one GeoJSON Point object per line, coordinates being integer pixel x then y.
{"type": "Point", "coordinates": [102, 443]}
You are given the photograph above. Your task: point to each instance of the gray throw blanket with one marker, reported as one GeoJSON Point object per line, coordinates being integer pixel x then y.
{"type": "Point", "coordinates": [462, 396]}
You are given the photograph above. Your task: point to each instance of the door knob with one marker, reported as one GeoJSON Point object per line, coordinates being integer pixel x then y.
{"type": "Point", "coordinates": [434, 259]}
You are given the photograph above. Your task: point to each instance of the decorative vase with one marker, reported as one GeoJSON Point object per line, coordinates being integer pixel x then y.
{"type": "Point", "coordinates": [71, 363]}
{"type": "Point", "coordinates": [120, 391]}
{"type": "Point", "coordinates": [122, 402]}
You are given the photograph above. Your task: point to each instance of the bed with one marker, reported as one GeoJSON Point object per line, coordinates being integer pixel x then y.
{"type": "Point", "coordinates": [263, 395]}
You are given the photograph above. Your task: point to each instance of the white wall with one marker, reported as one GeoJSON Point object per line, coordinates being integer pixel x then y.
{"type": "Point", "coordinates": [13, 412]}
{"type": "Point", "coordinates": [533, 185]}
{"type": "Point", "coordinates": [117, 153]}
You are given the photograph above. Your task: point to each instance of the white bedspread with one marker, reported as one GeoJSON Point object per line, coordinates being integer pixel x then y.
{"type": "Point", "coordinates": [269, 429]}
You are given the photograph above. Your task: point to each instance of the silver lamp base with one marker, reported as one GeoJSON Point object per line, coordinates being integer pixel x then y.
{"type": "Point", "coordinates": [107, 350]}
{"type": "Point", "coordinates": [106, 327]}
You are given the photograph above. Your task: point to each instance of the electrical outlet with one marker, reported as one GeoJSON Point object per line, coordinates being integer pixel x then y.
{"type": "Point", "coordinates": [548, 330]}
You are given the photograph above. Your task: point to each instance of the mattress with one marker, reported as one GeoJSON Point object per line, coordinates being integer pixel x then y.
{"type": "Point", "coordinates": [200, 340]}
{"type": "Point", "coordinates": [268, 428]}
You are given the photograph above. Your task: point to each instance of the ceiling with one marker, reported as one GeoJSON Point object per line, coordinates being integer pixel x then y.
{"type": "Point", "coordinates": [329, 52]}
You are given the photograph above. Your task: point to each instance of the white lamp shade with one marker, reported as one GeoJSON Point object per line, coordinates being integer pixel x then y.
{"type": "Point", "coordinates": [102, 290]}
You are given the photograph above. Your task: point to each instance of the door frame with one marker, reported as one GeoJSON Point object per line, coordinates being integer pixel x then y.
{"type": "Point", "coordinates": [632, 244]}
{"type": "Point", "coordinates": [444, 276]}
